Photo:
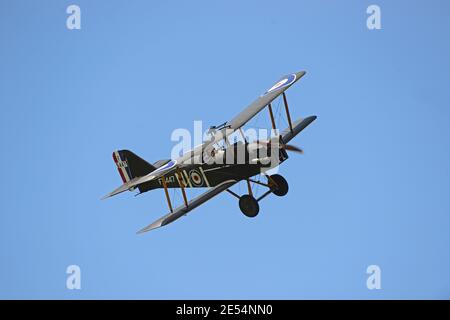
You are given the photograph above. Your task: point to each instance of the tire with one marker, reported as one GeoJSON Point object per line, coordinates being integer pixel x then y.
{"type": "Point", "coordinates": [282, 187]}
{"type": "Point", "coordinates": [249, 206]}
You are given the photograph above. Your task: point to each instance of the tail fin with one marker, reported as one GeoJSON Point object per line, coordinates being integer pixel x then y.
{"type": "Point", "coordinates": [130, 165]}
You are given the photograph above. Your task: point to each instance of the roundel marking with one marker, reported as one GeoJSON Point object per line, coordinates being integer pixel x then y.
{"type": "Point", "coordinates": [286, 81]}
{"type": "Point", "coordinates": [196, 178]}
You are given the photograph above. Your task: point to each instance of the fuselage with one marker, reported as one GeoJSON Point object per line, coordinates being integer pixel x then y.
{"type": "Point", "coordinates": [237, 161]}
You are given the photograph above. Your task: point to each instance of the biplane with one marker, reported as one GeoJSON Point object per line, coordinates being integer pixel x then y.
{"type": "Point", "coordinates": [219, 163]}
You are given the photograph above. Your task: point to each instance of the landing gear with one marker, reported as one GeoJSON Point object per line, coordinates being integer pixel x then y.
{"type": "Point", "coordinates": [278, 185]}
{"type": "Point", "coordinates": [249, 205]}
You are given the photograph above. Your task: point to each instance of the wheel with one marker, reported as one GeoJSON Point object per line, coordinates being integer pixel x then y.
{"type": "Point", "coordinates": [281, 186]}
{"type": "Point", "coordinates": [249, 206]}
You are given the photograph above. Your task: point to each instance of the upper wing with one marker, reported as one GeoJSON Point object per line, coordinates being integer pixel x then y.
{"type": "Point", "coordinates": [256, 106]}
{"type": "Point", "coordinates": [194, 203]}
{"type": "Point", "coordinates": [168, 168]}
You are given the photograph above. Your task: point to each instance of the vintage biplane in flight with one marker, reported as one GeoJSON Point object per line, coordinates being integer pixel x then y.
{"type": "Point", "coordinates": [217, 163]}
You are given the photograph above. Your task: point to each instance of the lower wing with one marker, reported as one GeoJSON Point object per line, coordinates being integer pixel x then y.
{"type": "Point", "coordinates": [194, 203]}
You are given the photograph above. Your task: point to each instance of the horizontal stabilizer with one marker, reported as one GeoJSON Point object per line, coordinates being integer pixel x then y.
{"type": "Point", "coordinates": [194, 203]}
{"type": "Point", "coordinates": [168, 168]}
{"type": "Point", "coordinates": [126, 186]}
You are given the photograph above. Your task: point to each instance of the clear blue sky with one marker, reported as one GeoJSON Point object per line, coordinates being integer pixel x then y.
{"type": "Point", "coordinates": [372, 188]}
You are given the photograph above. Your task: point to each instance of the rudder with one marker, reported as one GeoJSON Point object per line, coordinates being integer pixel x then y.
{"type": "Point", "coordinates": [130, 165]}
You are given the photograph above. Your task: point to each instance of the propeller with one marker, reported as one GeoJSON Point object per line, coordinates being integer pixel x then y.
{"type": "Point", "coordinates": [290, 147]}
{"type": "Point", "coordinates": [287, 147]}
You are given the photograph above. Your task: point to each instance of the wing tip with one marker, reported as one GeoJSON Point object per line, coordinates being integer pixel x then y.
{"type": "Point", "coordinates": [300, 74]}
{"type": "Point", "coordinates": [106, 196]}
{"type": "Point", "coordinates": [155, 225]}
